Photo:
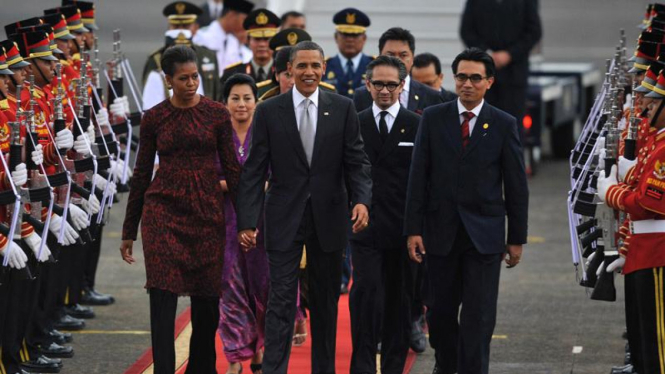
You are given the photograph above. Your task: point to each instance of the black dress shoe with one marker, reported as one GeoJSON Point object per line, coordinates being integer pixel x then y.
{"type": "Point", "coordinates": [56, 350]}
{"type": "Point", "coordinates": [41, 365]}
{"type": "Point", "coordinates": [80, 311]}
{"type": "Point", "coordinates": [59, 337]}
{"type": "Point", "coordinates": [626, 369]}
{"type": "Point", "coordinates": [92, 297]}
{"type": "Point", "coordinates": [418, 341]}
{"type": "Point", "coordinates": [70, 323]}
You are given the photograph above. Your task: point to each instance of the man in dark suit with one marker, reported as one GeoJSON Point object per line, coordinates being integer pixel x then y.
{"type": "Point", "coordinates": [427, 70]}
{"type": "Point", "coordinates": [379, 300]}
{"type": "Point", "coordinates": [310, 139]}
{"type": "Point", "coordinates": [467, 174]}
{"type": "Point", "coordinates": [400, 43]}
{"type": "Point", "coordinates": [508, 30]}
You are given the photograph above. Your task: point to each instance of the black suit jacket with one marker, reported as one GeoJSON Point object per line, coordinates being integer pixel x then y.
{"type": "Point", "coordinates": [204, 19]}
{"type": "Point", "coordinates": [447, 96]}
{"type": "Point", "coordinates": [338, 160]}
{"type": "Point", "coordinates": [420, 97]}
{"type": "Point", "coordinates": [476, 187]}
{"type": "Point", "coordinates": [511, 25]}
{"type": "Point", "coordinates": [390, 172]}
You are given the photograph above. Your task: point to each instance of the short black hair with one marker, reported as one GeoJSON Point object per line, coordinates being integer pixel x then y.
{"type": "Point", "coordinates": [238, 79]}
{"type": "Point", "coordinates": [178, 54]}
{"type": "Point", "coordinates": [398, 33]}
{"type": "Point", "coordinates": [281, 59]}
{"type": "Point", "coordinates": [478, 55]}
{"type": "Point", "coordinates": [387, 61]}
{"type": "Point", "coordinates": [291, 13]}
{"type": "Point", "coordinates": [305, 45]}
{"type": "Point", "coordinates": [426, 59]}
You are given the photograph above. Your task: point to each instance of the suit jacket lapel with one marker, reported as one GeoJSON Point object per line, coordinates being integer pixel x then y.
{"type": "Point", "coordinates": [453, 127]}
{"type": "Point", "coordinates": [370, 134]}
{"type": "Point", "coordinates": [414, 97]}
{"type": "Point", "coordinates": [478, 130]}
{"type": "Point", "coordinates": [322, 124]}
{"type": "Point", "coordinates": [396, 133]}
{"type": "Point", "coordinates": [291, 125]}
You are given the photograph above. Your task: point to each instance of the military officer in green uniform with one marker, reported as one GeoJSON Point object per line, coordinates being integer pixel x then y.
{"type": "Point", "coordinates": [181, 17]}
{"type": "Point", "coordinates": [261, 26]}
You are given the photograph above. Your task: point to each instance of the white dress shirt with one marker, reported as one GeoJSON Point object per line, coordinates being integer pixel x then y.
{"type": "Point", "coordinates": [299, 106]}
{"type": "Point", "coordinates": [390, 117]}
{"type": "Point", "coordinates": [354, 60]}
{"type": "Point", "coordinates": [476, 111]}
{"type": "Point", "coordinates": [404, 95]}
{"type": "Point", "coordinates": [228, 47]}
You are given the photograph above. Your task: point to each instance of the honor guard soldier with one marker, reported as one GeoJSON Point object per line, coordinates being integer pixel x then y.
{"type": "Point", "coordinates": [87, 10]}
{"type": "Point", "coordinates": [226, 36]}
{"type": "Point", "coordinates": [645, 260]}
{"type": "Point", "coordinates": [346, 70]}
{"type": "Point", "coordinates": [75, 25]}
{"type": "Point", "coordinates": [261, 26]}
{"type": "Point", "coordinates": [181, 16]}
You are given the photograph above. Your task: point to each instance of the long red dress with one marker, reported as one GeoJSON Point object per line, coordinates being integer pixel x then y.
{"type": "Point", "coordinates": [183, 207]}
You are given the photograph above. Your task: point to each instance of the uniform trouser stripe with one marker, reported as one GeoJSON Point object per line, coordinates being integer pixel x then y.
{"type": "Point", "coordinates": [2, 367]}
{"type": "Point", "coordinates": [657, 276]}
{"type": "Point", "coordinates": [25, 349]}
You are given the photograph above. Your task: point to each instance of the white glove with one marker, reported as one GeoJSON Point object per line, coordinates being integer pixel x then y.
{"type": "Point", "coordinates": [100, 181]}
{"type": "Point", "coordinates": [120, 107]}
{"type": "Point", "coordinates": [600, 269]}
{"type": "Point", "coordinates": [70, 235]}
{"type": "Point", "coordinates": [79, 217]}
{"type": "Point", "coordinates": [600, 144]}
{"type": "Point", "coordinates": [103, 118]}
{"type": "Point", "coordinates": [91, 133]}
{"type": "Point", "coordinates": [590, 258]}
{"type": "Point", "coordinates": [80, 145]}
{"type": "Point", "coordinates": [601, 159]}
{"type": "Point", "coordinates": [33, 241]}
{"type": "Point", "coordinates": [624, 166]}
{"type": "Point", "coordinates": [113, 189]}
{"type": "Point", "coordinates": [17, 259]}
{"type": "Point", "coordinates": [91, 205]}
{"type": "Point", "coordinates": [37, 155]}
{"type": "Point", "coordinates": [604, 183]}
{"type": "Point", "coordinates": [116, 169]}
{"type": "Point", "coordinates": [20, 175]}
{"type": "Point", "coordinates": [64, 139]}
{"type": "Point", "coordinates": [616, 265]}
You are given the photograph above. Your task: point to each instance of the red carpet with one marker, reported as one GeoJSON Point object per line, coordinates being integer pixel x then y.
{"type": "Point", "coordinates": [300, 356]}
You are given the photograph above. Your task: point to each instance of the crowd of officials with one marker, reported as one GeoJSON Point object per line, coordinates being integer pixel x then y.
{"type": "Point", "coordinates": [270, 179]}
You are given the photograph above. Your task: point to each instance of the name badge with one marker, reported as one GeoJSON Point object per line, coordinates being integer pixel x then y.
{"type": "Point", "coordinates": [208, 67]}
{"type": "Point", "coordinates": [405, 144]}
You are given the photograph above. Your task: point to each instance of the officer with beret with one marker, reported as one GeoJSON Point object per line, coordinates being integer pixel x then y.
{"type": "Point", "coordinates": [346, 70]}
{"type": "Point", "coordinates": [181, 16]}
{"type": "Point", "coordinates": [261, 25]}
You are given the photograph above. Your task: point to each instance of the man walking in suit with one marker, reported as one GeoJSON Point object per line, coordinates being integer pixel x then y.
{"type": "Point", "coordinates": [379, 301]}
{"type": "Point", "coordinates": [427, 70]}
{"type": "Point", "coordinates": [415, 96]}
{"type": "Point", "coordinates": [310, 139]}
{"type": "Point", "coordinates": [467, 174]}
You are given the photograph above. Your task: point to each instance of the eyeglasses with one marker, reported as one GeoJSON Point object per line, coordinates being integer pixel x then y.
{"type": "Point", "coordinates": [378, 85]}
{"type": "Point", "coordinates": [475, 78]}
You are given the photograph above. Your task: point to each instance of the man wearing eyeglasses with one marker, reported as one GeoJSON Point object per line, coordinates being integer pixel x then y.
{"type": "Point", "coordinates": [415, 96]}
{"type": "Point", "coordinates": [380, 263]}
{"type": "Point", "coordinates": [467, 174]}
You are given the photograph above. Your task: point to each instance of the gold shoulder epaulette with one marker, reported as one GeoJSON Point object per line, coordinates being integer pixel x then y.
{"type": "Point", "coordinates": [76, 56]}
{"type": "Point", "coordinates": [64, 63]}
{"type": "Point", "coordinates": [233, 65]}
{"type": "Point", "coordinates": [263, 83]}
{"type": "Point", "coordinates": [4, 104]}
{"type": "Point", "coordinates": [328, 86]}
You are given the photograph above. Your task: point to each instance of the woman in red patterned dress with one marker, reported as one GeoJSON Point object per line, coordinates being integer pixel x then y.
{"type": "Point", "coordinates": [182, 211]}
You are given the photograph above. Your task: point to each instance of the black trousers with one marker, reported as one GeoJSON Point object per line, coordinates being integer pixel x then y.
{"type": "Point", "coordinates": [205, 318]}
{"type": "Point", "coordinates": [92, 256]}
{"type": "Point", "coordinates": [645, 315]}
{"type": "Point", "coordinates": [19, 300]}
{"type": "Point", "coordinates": [465, 276]}
{"type": "Point", "coordinates": [379, 303]}
{"type": "Point", "coordinates": [324, 271]}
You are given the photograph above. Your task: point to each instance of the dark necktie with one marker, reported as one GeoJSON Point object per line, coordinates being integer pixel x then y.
{"type": "Point", "coordinates": [383, 126]}
{"type": "Point", "coordinates": [261, 76]}
{"type": "Point", "coordinates": [465, 128]}
{"type": "Point", "coordinates": [349, 73]}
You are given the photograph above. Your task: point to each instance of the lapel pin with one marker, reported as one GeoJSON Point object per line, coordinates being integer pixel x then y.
{"type": "Point", "coordinates": [486, 126]}
{"type": "Point", "coordinates": [325, 113]}
{"type": "Point", "coordinates": [416, 97]}
{"type": "Point", "coordinates": [402, 131]}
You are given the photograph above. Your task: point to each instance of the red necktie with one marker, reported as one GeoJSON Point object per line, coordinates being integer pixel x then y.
{"type": "Point", "coordinates": [465, 128]}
